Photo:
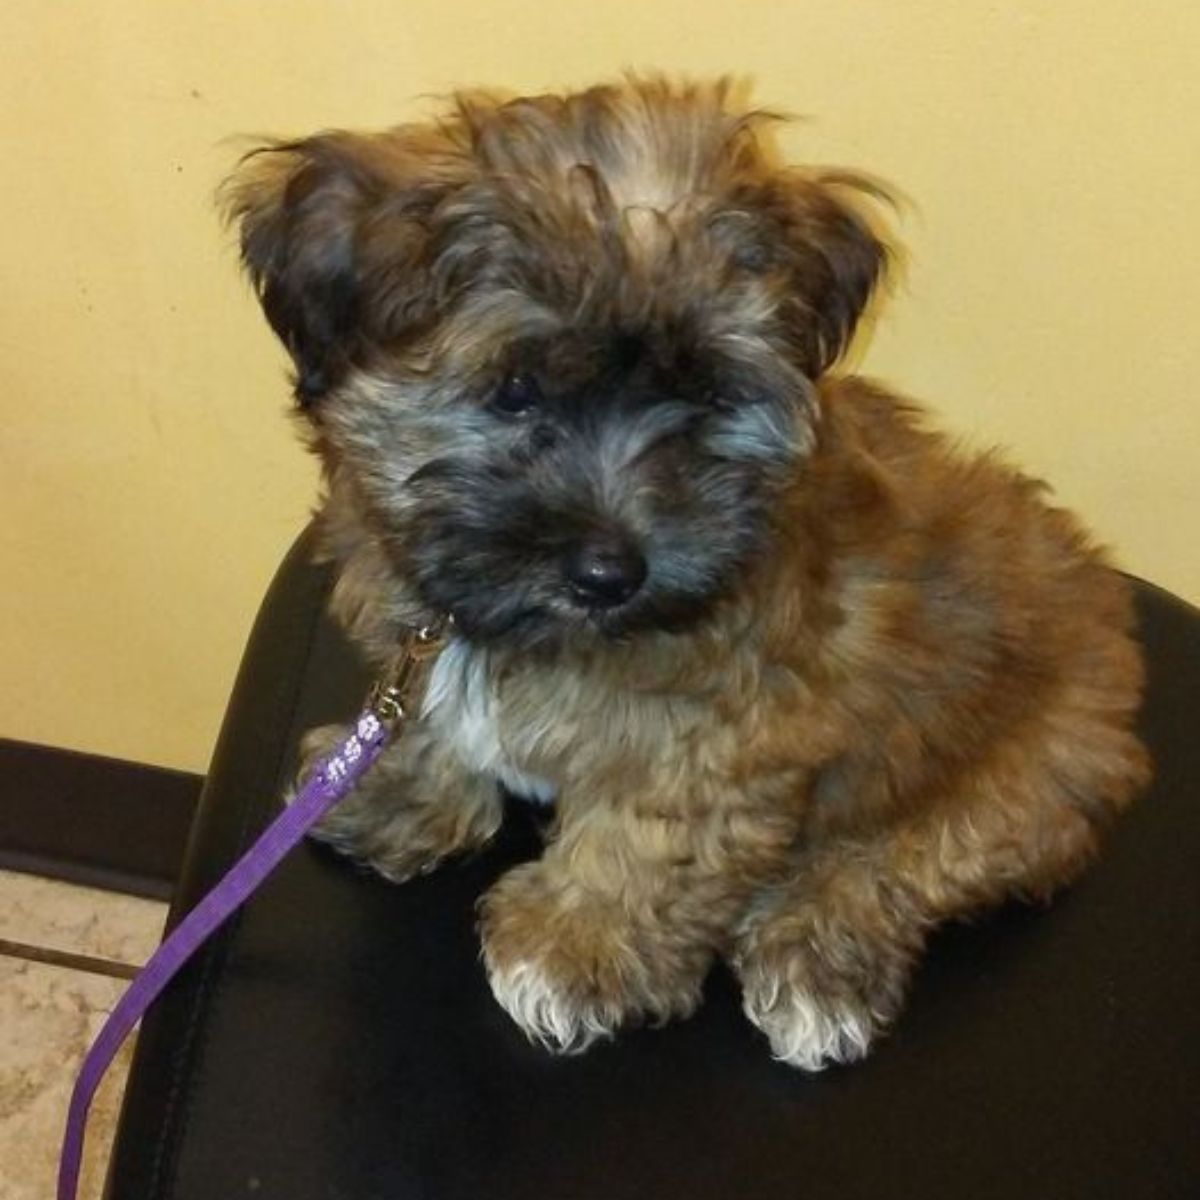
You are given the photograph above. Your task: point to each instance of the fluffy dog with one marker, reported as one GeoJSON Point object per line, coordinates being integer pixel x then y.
{"type": "Point", "coordinates": [800, 680]}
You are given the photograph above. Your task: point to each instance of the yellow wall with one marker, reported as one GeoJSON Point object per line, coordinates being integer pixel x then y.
{"type": "Point", "coordinates": [150, 480]}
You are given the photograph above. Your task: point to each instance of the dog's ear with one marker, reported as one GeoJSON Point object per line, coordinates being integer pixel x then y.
{"type": "Point", "coordinates": [333, 231]}
{"type": "Point", "coordinates": [833, 257]}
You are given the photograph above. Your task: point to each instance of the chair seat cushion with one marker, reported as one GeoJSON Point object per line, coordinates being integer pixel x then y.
{"type": "Point", "coordinates": [338, 1038]}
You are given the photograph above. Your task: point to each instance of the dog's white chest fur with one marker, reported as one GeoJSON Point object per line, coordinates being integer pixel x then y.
{"type": "Point", "coordinates": [461, 703]}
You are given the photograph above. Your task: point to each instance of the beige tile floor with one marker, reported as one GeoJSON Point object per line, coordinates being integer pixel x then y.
{"type": "Point", "coordinates": [50, 1012]}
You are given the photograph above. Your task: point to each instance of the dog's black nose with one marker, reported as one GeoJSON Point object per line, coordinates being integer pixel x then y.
{"type": "Point", "coordinates": [605, 572]}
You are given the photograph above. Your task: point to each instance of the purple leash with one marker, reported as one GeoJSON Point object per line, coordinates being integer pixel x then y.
{"type": "Point", "coordinates": [329, 782]}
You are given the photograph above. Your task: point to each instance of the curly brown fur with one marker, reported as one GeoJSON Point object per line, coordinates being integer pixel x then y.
{"type": "Point", "coordinates": [802, 680]}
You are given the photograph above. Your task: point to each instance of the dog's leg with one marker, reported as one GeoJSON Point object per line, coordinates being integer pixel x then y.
{"type": "Point", "coordinates": [825, 958]}
{"type": "Point", "coordinates": [622, 916]}
{"type": "Point", "coordinates": [416, 806]}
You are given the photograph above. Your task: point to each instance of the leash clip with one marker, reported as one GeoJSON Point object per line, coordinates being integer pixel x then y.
{"type": "Point", "coordinates": [391, 697]}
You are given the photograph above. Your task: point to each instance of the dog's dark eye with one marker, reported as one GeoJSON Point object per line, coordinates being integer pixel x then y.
{"type": "Point", "coordinates": [718, 399]}
{"type": "Point", "coordinates": [755, 258]}
{"type": "Point", "coordinates": [518, 394]}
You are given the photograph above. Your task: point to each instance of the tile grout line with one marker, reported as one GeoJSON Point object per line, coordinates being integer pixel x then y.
{"type": "Point", "coordinates": [64, 958]}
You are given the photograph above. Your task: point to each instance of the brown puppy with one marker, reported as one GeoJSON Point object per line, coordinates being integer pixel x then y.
{"type": "Point", "coordinates": [801, 681]}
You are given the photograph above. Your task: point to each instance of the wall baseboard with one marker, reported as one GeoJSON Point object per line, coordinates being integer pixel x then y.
{"type": "Point", "coordinates": [86, 819]}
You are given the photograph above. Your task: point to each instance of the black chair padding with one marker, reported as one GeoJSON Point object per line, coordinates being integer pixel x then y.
{"type": "Point", "coordinates": [337, 1040]}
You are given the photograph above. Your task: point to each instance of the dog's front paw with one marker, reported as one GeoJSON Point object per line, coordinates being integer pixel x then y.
{"type": "Point", "coordinates": [806, 1028]}
{"type": "Point", "coordinates": [570, 969]}
{"type": "Point", "coordinates": [402, 841]}
{"type": "Point", "coordinates": [316, 745]}
{"type": "Point", "coordinates": [410, 812]}
{"type": "Point", "coordinates": [821, 995]}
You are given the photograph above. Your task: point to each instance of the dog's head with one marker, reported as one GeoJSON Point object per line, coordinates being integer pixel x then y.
{"type": "Point", "coordinates": [559, 352]}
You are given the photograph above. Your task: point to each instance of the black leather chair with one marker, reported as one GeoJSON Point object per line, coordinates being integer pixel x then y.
{"type": "Point", "coordinates": [337, 1041]}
